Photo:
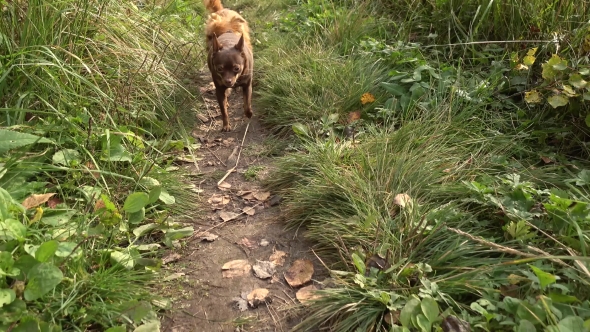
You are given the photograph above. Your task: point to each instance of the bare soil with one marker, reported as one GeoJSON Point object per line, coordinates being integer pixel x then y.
{"type": "Point", "coordinates": [203, 300]}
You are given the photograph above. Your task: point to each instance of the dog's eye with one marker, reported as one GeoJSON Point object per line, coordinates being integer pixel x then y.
{"type": "Point", "coordinates": [236, 69]}
{"type": "Point", "coordinates": [219, 68]}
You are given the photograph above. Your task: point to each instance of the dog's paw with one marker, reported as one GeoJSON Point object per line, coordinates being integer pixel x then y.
{"type": "Point", "coordinates": [226, 128]}
{"type": "Point", "coordinates": [248, 113]}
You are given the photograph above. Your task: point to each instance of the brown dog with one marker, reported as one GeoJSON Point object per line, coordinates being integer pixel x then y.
{"type": "Point", "coordinates": [229, 57]}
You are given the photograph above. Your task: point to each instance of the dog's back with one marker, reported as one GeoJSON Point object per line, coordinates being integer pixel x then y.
{"type": "Point", "coordinates": [224, 20]}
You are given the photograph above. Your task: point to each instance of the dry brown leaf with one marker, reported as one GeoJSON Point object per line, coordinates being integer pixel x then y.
{"type": "Point", "coordinates": [546, 160]}
{"type": "Point", "coordinates": [264, 269]}
{"type": "Point", "coordinates": [171, 258]}
{"type": "Point", "coordinates": [402, 200]}
{"type": "Point", "coordinates": [258, 297]}
{"type": "Point", "coordinates": [227, 216]}
{"type": "Point", "coordinates": [53, 202]}
{"type": "Point", "coordinates": [99, 205]}
{"type": "Point", "coordinates": [261, 195]}
{"type": "Point", "coordinates": [224, 185]}
{"type": "Point", "coordinates": [307, 294]}
{"type": "Point", "coordinates": [217, 201]}
{"type": "Point", "coordinates": [278, 257]}
{"type": "Point", "coordinates": [206, 236]}
{"type": "Point", "coordinates": [35, 200]}
{"type": "Point", "coordinates": [353, 116]}
{"type": "Point", "coordinates": [249, 210]}
{"type": "Point", "coordinates": [248, 244]}
{"type": "Point", "coordinates": [299, 273]}
{"type": "Point", "coordinates": [236, 268]}
{"type": "Point", "coordinates": [392, 317]}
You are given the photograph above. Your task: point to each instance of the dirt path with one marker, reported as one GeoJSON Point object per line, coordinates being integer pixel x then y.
{"type": "Point", "coordinates": [203, 300]}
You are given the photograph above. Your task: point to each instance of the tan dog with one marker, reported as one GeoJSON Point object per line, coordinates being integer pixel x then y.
{"type": "Point", "coordinates": [229, 57]}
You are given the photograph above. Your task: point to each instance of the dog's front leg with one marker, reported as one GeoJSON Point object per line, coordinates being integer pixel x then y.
{"type": "Point", "coordinates": [220, 92]}
{"type": "Point", "coordinates": [247, 91]}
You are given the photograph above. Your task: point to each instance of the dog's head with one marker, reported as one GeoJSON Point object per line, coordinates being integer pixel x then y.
{"type": "Point", "coordinates": [228, 63]}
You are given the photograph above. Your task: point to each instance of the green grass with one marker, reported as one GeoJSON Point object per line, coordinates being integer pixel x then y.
{"type": "Point", "coordinates": [449, 128]}
{"type": "Point", "coordinates": [90, 92]}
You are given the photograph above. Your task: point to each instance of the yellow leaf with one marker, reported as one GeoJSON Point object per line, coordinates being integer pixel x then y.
{"type": "Point", "coordinates": [520, 66]}
{"type": "Point", "coordinates": [367, 98]}
{"type": "Point", "coordinates": [38, 215]}
{"type": "Point", "coordinates": [532, 97]}
{"type": "Point", "coordinates": [569, 91]}
{"type": "Point", "coordinates": [532, 51]}
{"type": "Point", "coordinates": [529, 60]}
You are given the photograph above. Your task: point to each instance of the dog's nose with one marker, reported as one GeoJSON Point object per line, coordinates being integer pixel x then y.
{"type": "Point", "coordinates": [228, 82]}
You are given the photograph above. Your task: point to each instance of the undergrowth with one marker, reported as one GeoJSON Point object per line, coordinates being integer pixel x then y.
{"type": "Point", "coordinates": [441, 160]}
{"type": "Point", "coordinates": [95, 107]}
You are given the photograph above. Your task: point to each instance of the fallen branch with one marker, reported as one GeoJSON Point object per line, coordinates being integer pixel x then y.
{"type": "Point", "coordinates": [238, 159]}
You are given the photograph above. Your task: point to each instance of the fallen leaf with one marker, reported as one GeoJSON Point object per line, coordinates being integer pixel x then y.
{"type": "Point", "coordinates": [264, 243]}
{"type": "Point", "coordinates": [264, 269]}
{"type": "Point", "coordinates": [171, 258]}
{"type": "Point", "coordinates": [224, 185]}
{"type": "Point", "coordinates": [174, 276]}
{"type": "Point", "coordinates": [249, 210]}
{"type": "Point", "coordinates": [248, 244]}
{"type": "Point", "coordinates": [35, 200]}
{"type": "Point", "coordinates": [217, 201]}
{"type": "Point", "coordinates": [392, 317]}
{"type": "Point", "coordinates": [307, 294]}
{"type": "Point", "coordinates": [53, 202]}
{"type": "Point", "coordinates": [353, 116]}
{"type": "Point", "coordinates": [402, 200]}
{"type": "Point", "coordinates": [278, 257]}
{"type": "Point", "coordinates": [241, 303]}
{"type": "Point", "coordinates": [367, 98]}
{"type": "Point", "coordinates": [546, 160]}
{"type": "Point", "coordinates": [509, 290]}
{"type": "Point", "coordinates": [236, 268]}
{"type": "Point", "coordinates": [258, 296]}
{"type": "Point", "coordinates": [227, 216]}
{"type": "Point", "coordinates": [261, 195]}
{"type": "Point", "coordinates": [299, 273]}
{"type": "Point", "coordinates": [206, 236]}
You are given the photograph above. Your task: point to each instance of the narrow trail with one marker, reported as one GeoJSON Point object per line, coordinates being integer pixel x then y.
{"type": "Point", "coordinates": [203, 300]}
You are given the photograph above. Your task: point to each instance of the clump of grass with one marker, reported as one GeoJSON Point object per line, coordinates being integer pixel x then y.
{"type": "Point", "coordinates": [92, 97]}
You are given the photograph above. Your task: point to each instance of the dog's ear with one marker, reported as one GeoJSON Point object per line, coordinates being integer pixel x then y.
{"type": "Point", "coordinates": [240, 45]}
{"type": "Point", "coordinates": [215, 43]}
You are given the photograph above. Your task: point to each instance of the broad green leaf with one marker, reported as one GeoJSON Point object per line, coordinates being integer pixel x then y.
{"type": "Point", "coordinates": [561, 298]}
{"type": "Point", "coordinates": [557, 100]}
{"type": "Point", "coordinates": [526, 326]}
{"type": "Point", "coordinates": [139, 231]}
{"type": "Point", "coordinates": [408, 312]}
{"type": "Point", "coordinates": [7, 295]}
{"type": "Point", "coordinates": [545, 279]}
{"type": "Point", "coordinates": [65, 249]}
{"type": "Point", "coordinates": [43, 278]}
{"type": "Point", "coordinates": [532, 97]}
{"type": "Point", "coordinates": [553, 66]}
{"type": "Point", "coordinates": [149, 182]}
{"type": "Point", "coordinates": [569, 91]}
{"type": "Point", "coordinates": [430, 308]}
{"type": "Point", "coordinates": [394, 88]}
{"type": "Point", "coordinates": [137, 217]}
{"type": "Point", "coordinates": [175, 234]}
{"type": "Point", "coordinates": [58, 218]}
{"type": "Point", "coordinates": [166, 198]}
{"type": "Point", "coordinates": [586, 95]}
{"type": "Point", "coordinates": [151, 326]}
{"type": "Point", "coordinates": [46, 250]}
{"type": "Point", "coordinates": [13, 312]}
{"type": "Point", "coordinates": [300, 129]}
{"type": "Point", "coordinates": [65, 157]}
{"type": "Point", "coordinates": [423, 322]}
{"type": "Point", "coordinates": [13, 139]}
{"type": "Point", "coordinates": [135, 202]}
{"type": "Point", "coordinates": [5, 202]}
{"type": "Point", "coordinates": [332, 118]}
{"type": "Point", "coordinates": [121, 328]}
{"type": "Point", "coordinates": [30, 325]}
{"type": "Point", "coordinates": [123, 258]}
{"type": "Point", "coordinates": [358, 262]}
{"type": "Point", "coordinates": [571, 324]}
{"type": "Point", "coordinates": [113, 150]}
{"type": "Point", "coordinates": [154, 194]}
{"type": "Point", "coordinates": [16, 229]}
{"type": "Point", "coordinates": [25, 263]}
{"type": "Point", "coordinates": [533, 313]}
{"type": "Point", "coordinates": [577, 81]}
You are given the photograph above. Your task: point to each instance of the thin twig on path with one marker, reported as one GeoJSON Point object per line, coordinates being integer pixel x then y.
{"type": "Point", "coordinates": [238, 159]}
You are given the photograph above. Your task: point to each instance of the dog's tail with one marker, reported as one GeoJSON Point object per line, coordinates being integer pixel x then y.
{"type": "Point", "coordinates": [213, 5]}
